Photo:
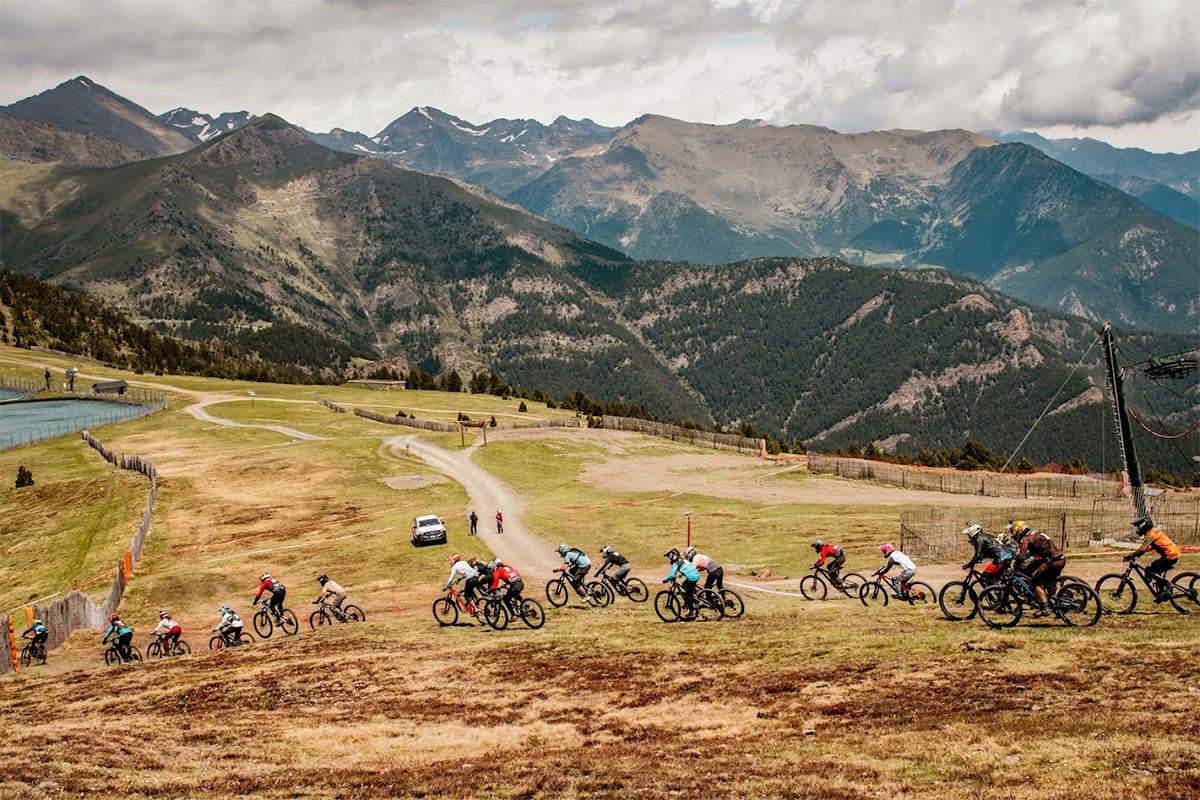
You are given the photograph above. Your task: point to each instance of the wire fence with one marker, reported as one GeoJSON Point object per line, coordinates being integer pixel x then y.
{"type": "Point", "coordinates": [978, 482]}
{"type": "Point", "coordinates": [76, 611]}
{"type": "Point", "coordinates": [936, 533]}
{"type": "Point", "coordinates": [132, 403]}
{"type": "Point", "coordinates": [715, 441]}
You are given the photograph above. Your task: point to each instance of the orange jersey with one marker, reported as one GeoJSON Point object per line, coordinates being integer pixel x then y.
{"type": "Point", "coordinates": [1161, 544]}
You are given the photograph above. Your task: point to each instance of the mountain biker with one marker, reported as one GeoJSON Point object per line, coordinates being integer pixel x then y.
{"type": "Point", "coordinates": [503, 573]}
{"type": "Point", "coordinates": [613, 559]}
{"type": "Point", "coordinates": [715, 572]}
{"type": "Point", "coordinates": [575, 566]}
{"type": "Point", "coordinates": [1040, 559]}
{"type": "Point", "coordinates": [988, 546]}
{"type": "Point", "coordinates": [40, 634]}
{"type": "Point", "coordinates": [167, 623]}
{"type": "Point", "coordinates": [333, 594]}
{"type": "Point", "coordinates": [691, 577]}
{"type": "Point", "coordinates": [895, 558]}
{"type": "Point", "coordinates": [837, 560]}
{"type": "Point", "coordinates": [1159, 542]}
{"type": "Point", "coordinates": [278, 592]}
{"type": "Point", "coordinates": [462, 571]}
{"type": "Point", "coordinates": [230, 626]}
{"type": "Point", "coordinates": [124, 634]}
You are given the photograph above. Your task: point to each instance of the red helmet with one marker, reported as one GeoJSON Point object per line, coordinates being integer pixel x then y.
{"type": "Point", "coordinates": [455, 558]}
{"type": "Point", "coordinates": [113, 617]}
{"type": "Point", "coordinates": [886, 549]}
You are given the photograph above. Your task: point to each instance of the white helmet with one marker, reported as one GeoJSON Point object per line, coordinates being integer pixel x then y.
{"type": "Point", "coordinates": [691, 551]}
{"type": "Point", "coordinates": [971, 531]}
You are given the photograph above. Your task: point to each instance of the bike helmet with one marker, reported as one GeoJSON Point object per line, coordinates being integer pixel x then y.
{"type": "Point", "coordinates": [605, 550]}
{"type": "Point", "coordinates": [264, 576]}
{"type": "Point", "coordinates": [1017, 528]}
{"type": "Point", "coordinates": [321, 580]}
{"type": "Point", "coordinates": [38, 622]}
{"type": "Point", "coordinates": [562, 549]}
{"type": "Point", "coordinates": [473, 561]}
{"type": "Point", "coordinates": [887, 549]}
{"type": "Point", "coordinates": [113, 617]}
{"type": "Point", "coordinates": [455, 558]}
{"type": "Point", "coordinates": [817, 545]}
{"type": "Point", "coordinates": [691, 551]}
{"type": "Point", "coordinates": [1142, 524]}
{"type": "Point", "coordinates": [163, 615]}
{"type": "Point", "coordinates": [225, 609]}
{"type": "Point", "coordinates": [671, 555]}
{"type": "Point", "coordinates": [971, 531]}
{"type": "Point", "coordinates": [496, 563]}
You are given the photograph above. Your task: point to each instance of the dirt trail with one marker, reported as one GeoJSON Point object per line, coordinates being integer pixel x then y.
{"type": "Point", "coordinates": [198, 411]}
{"type": "Point", "coordinates": [531, 554]}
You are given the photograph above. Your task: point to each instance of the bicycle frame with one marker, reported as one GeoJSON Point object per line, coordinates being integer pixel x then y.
{"type": "Point", "coordinates": [1133, 565]}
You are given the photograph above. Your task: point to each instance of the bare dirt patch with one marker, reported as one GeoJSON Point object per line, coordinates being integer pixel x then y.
{"type": "Point", "coordinates": [403, 482]}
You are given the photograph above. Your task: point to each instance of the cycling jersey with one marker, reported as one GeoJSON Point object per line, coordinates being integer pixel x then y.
{"type": "Point", "coordinates": [37, 628]}
{"type": "Point", "coordinates": [229, 620]}
{"type": "Point", "coordinates": [898, 559]}
{"type": "Point", "coordinates": [705, 563]}
{"type": "Point", "coordinates": [690, 573]}
{"type": "Point", "coordinates": [504, 573]}
{"type": "Point", "coordinates": [271, 585]}
{"type": "Point", "coordinates": [168, 624]}
{"type": "Point", "coordinates": [577, 559]}
{"type": "Point", "coordinates": [1036, 544]}
{"type": "Point", "coordinates": [988, 546]}
{"type": "Point", "coordinates": [460, 570]}
{"type": "Point", "coordinates": [828, 551]}
{"type": "Point", "coordinates": [117, 628]}
{"type": "Point", "coordinates": [1160, 543]}
{"type": "Point", "coordinates": [613, 559]}
{"type": "Point", "coordinates": [331, 587]}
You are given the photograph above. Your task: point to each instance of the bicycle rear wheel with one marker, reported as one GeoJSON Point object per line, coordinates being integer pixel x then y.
{"type": "Point", "coordinates": [999, 608]}
{"type": "Point", "coordinates": [599, 593]}
{"type": "Point", "coordinates": [532, 613]}
{"type": "Point", "coordinates": [1117, 594]}
{"type": "Point", "coordinates": [354, 614]}
{"type": "Point", "coordinates": [813, 588]}
{"type": "Point", "coordinates": [734, 607]}
{"type": "Point", "coordinates": [873, 593]}
{"type": "Point", "coordinates": [495, 615]}
{"type": "Point", "coordinates": [709, 606]}
{"type": "Point", "coordinates": [181, 648]}
{"type": "Point", "coordinates": [921, 594]}
{"type": "Point", "coordinates": [287, 621]}
{"type": "Point", "coordinates": [557, 593]}
{"type": "Point", "coordinates": [851, 583]}
{"type": "Point", "coordinates": [111, 657]}
{"type": "Point", "coordinates": [665, 607]}
{"type": "Point", "coordinates": [1185, 593]}
{"type": "Point", "coordinates": [636, 590]}
{"type": "Point", "coordinates": [958, 601]}
{"type": "Point", "coordinates": [445, 611]}
{"type": "Point", "coordinates": [263, 625]}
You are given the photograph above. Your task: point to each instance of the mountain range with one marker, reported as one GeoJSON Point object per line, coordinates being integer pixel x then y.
{"type": "Point", "coordinates": [263, 230]}
{"type": "Point", "coordinates": [659, 188]}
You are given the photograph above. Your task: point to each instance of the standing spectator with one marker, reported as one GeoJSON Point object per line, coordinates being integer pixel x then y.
{"type": "Point", "coordinates": [499, 522]}
{"type": "Point", "coordinates": [47, 379]}
{"type": "Point", "coordinates": [474, 523]}
{"type": "Point", "coordinates": [71, 379]}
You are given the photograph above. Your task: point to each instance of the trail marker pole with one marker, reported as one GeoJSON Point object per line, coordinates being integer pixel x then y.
{"type": "Point", "coordinates": [688, 514]}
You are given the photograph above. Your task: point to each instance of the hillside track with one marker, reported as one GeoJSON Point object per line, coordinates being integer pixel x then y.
{"type": "Point", "coordinates": [198, 411]}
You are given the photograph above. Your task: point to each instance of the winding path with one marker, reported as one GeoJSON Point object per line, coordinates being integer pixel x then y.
{"type": "Point", "coordinates": [198, 411]}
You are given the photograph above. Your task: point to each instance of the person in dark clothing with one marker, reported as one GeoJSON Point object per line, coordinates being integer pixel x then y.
{"type": "Point", "coordinates": [47, 378]}
{"type": "Point", "coordinates": [1047, 561]}
{"type": "Point", "coordinates": [474, 523]}
{"type": "Point", "coordinates": [617, 562]}
{"type": "Point", "coordinates": [277, 590]}
{"type": "Point", "coordinates": [837, 560]}
{"type": "Point", "coordinates": [990, 547]}
{"type": "Point", "coordinates": [499, 522]}
{"type": "Point", "coordinates": [124, 634]}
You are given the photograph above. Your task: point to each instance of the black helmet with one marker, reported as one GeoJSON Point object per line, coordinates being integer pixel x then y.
{"type": "Point", "coordinates": [1142, 524]}
{"type": "Point", "coordinates": [321, 580]}
{"type": "Point", "coordinates": [671, 555]}
{"type": "Point", "coordinates": [818, 544]}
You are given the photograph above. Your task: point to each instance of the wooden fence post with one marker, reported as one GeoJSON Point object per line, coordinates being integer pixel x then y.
{"type": "Point", "coordinates": [12, 644]}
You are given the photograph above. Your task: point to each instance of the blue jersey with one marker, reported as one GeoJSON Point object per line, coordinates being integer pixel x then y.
{"type": "Point", "coordinates": [688, 569]}
{"type": "Point", "coordinates": [577, 559]}
{"type": "Point", "coordinates": [117, 630]}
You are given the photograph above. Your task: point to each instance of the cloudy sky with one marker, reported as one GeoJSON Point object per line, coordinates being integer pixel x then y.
{"type": "Point", "coordinates": [1126, 71]}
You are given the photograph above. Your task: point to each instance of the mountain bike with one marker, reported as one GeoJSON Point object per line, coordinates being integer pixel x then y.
{"type": "Point", "coordinates": [33, 654]}
{"type": "Point", "coordinates": [633, 588]}
{"type": "Point", "coordinates": [446, 609]}
{"type": "Point", "coordinates": [1119, 594]}
{"type": "Point", "coordinates": [326, 614]}
{"type": "Point", "coordinates": [158, 648]}
{"type": "Point", "coordinates": [268, 618]}
{"type": "Point", "coordinates": [1003, 604]}
{"type": "Point", "coordinates": [224, 639]}
{"type": "Point", "coordinates": [816, 585]}
{"type": "Point", "coordinates": [559, 591]}
{"type": "Point", "coordinates": [959, 599]}
{"type": "Point", "coordinates": [670, 606]}
{"type": "Point", "coordinates": [113, 657]}
{"type": "Point", "coordinates": [527, 610]}
{"type": "Point", "coordinates": [876, 592]}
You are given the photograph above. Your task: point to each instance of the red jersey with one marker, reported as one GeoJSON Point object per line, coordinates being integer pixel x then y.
{"type": "Point", "coordinates": [504, 573]}
{"type": "Point", "coordinates": [829, 551]}
{"type": "Point", "coordinates": [270, 584]}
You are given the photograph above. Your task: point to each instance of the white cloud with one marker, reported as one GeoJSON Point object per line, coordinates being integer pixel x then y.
{"type": "Point", "coordinates": [1124, 69]}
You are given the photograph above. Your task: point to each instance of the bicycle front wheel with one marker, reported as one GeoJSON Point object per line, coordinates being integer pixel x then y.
{"type": "Point", "coordinates": [111, 657]}
{"type": "Point", "coordinates": [319, 619]}
{"type": "Point", "coordinates": [813, 588]}
{"type": "Point", "coordinates": [1117, 594]}
{"type": "Point", "coordinates": [1078, 605]}
{"type": "Point", "coordinates": [557, 593]}
{"type": "Point", "coordinates": [496, 615]}
{"type": "Point", "coordinates": [873, 594]}
{"type": "Point", "coordinates": [532, 613]}
{"type": "Point", "coordinates": [445, 611]}
{"type": "Point", "coordinates": [154, 650]}
{"type": "Point", "coordinates": [25, 656]}
{"type": "Point", "coordinates": [957, 601]}
{"type": "Point", "coordinates": [636, 590]}
{"type": "Point", "coordinates": [665, 607]}
{"type": "Point", "coordinates": [287, 621]}
{"type": "Point", "coordinates": [600, 593]}
{"type": "Point", "coordinates": [216, 643]}
{"type": "Point", "coordinates": [734, 607]}
{"type": "Point", "coordinates": [263, 625]}
{"type": "Point", "coordinates": [999, 608]}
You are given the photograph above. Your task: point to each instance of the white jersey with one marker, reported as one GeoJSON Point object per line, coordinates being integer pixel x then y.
{"type": "Point", "coordinates": [230, 620]}
{"type": "Point", "coordinates": [165, 624]}
{"type": "Point", "coordinates": [331, 587]}
{"type": "Point", "coordinates": [902, 561]}
{"type": "Point", "coordinates": [461, 570]}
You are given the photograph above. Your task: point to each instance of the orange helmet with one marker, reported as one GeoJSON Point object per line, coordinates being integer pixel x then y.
{"type": "Point", "coordinates": [113, 617]}
{"type": "Point", "coordinates": [455, 558]}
